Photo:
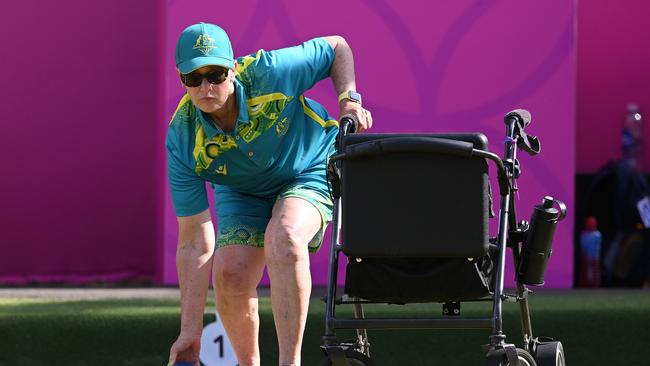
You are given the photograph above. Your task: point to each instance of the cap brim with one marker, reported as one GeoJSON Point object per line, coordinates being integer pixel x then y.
{"type": "Point", "coordinates": [198, 62]}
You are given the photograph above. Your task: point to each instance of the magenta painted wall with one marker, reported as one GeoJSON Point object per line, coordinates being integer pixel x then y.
{"type": "Point", "coordinates": [81, 189]}
{"type": "Point", "coordinates": [427, 66]}
{"type": "Point", "coordinates": [613, 59]}
{"type": "Point", "coordinates": [89, 87]}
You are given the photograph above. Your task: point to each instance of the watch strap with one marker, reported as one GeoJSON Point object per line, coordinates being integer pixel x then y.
{"type": "Point", "coordinates": [350, 95]}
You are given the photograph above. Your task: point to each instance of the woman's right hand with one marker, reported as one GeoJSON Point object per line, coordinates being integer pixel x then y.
{"type": "Point", "coordinates": [185, 349]}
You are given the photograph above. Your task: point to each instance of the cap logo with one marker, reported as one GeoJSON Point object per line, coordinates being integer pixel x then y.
{"type": "Point", "coordinates": [205, 44]}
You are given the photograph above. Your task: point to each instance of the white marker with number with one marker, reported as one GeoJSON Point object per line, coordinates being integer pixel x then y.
{"type": "Point", "coordinates": [216, 349]}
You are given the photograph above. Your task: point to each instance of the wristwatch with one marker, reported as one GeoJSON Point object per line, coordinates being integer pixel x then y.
{"type": "Point", "coordinates": [351, 95]}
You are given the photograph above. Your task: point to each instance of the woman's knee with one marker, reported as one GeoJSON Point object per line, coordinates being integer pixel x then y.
{"type": "Point", "coordinates": [236, 275]}
{"type": "Point", "coordinates": [283, 245]}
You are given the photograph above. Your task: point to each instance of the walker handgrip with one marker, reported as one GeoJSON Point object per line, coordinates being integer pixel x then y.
{"type": "Point", "coordinates": [409, 144]}
{"type": "Point", "coordinates": [519, 115]}
{"type": "Point", "coordinates": [348, 124]}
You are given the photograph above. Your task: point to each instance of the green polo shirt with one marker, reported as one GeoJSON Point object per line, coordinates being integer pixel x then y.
{"type": "Point", "coordinates": [280, 136]}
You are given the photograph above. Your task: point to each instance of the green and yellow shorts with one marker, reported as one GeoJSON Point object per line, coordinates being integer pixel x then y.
{"type": "Point", "coordinates": [242, 218]}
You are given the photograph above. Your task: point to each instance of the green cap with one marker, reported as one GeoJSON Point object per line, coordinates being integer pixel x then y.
{"type": "Point", "coordinates": [203, 44]}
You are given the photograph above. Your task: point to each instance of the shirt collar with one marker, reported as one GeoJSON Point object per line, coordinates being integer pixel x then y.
{"type": "Point", "coordinates": [210, 128]}
{"type": "Point", "coordinates": [240, 91]}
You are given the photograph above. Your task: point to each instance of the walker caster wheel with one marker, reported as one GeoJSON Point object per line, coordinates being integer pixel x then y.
{"type": "Point", "coordinates": [353, 358]}
{"type": "Point", "coordinates": [550, 354]}
{"type": "Point", "coordinates": [498, 358]}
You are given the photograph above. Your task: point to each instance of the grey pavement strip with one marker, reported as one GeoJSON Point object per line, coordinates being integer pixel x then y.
{"type": "Point", "coordinates": [89, 293]}
{"type": "Point", "coordinates": [81, 293]}
{"type": "Point", "coordinates": [172, 293]}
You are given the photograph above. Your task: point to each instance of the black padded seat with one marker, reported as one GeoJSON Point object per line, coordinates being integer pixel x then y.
{"type": "Point", "coordinates": [415, 204]}
{"type": "Point", "coordinates": [415, 224]}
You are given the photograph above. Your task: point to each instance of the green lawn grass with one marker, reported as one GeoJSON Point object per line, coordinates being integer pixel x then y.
{"type": "Point", "coordinates": [596, 328]}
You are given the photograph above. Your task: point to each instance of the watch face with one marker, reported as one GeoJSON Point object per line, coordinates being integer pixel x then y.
{"type": "Point", "coordinates": [354, 96]}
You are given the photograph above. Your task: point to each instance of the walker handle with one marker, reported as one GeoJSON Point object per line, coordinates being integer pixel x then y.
{"type": "Point", "coordinates": [348, 124]}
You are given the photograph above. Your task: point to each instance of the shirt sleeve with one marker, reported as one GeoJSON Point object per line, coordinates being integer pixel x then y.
{"type": "Point", "coordinates": [188, 192]}
{"type": "Point", "coordinates": [298, 68]}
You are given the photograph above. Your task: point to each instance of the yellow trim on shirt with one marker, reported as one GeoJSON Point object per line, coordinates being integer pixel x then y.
{"type": "Point", "coordinates": [311, 114]}
{"type": "Point", "coordinates": [203, 161]}
{"type": "Point", "coordinates": [246, 61]}
{"type": "Point", "coordinates": [265, 98]}
{"type": "Point", "coordinates": [184, 100]}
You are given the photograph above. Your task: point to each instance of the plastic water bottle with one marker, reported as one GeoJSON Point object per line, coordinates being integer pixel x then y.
{"type": "Point", "coordinates": [590, 243]}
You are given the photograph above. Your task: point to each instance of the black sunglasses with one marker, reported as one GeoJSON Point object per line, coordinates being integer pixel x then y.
{"type": "Point", "coordinates": [215, 76]}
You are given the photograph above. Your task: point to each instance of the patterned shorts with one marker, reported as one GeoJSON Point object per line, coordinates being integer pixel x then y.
{"type": "Point", "coordinates": [242, 218]}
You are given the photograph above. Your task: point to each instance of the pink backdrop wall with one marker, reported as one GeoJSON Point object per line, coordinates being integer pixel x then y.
{"type": "Point", "coordinates": [81, 187]}
{"type": "Point", "coordinates": [613, 59]}
{"type": "Point", "coordinates": [427, 66]}
{"type": "Point", "coordinates": [86, 100]}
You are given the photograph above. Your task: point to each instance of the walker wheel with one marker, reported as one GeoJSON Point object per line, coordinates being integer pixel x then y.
{"type": "Point", "coordinates": [550, 354]}
{"type": "Point", "coordinates": [498, 358]}
{"type": "Point", "coordinates": [354, 358]}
